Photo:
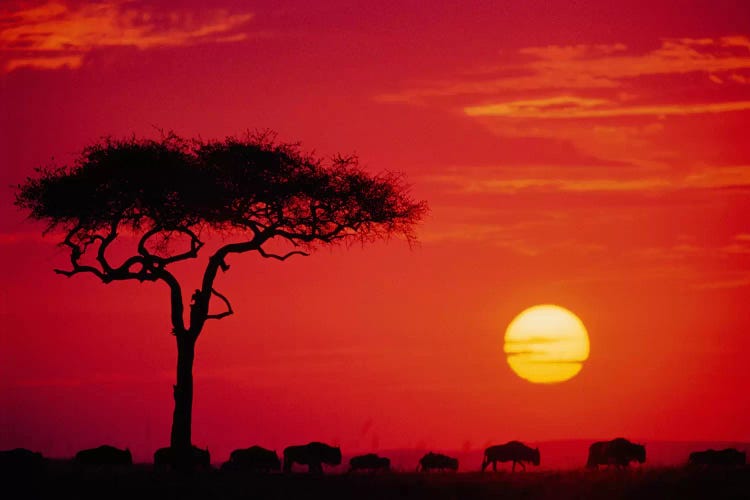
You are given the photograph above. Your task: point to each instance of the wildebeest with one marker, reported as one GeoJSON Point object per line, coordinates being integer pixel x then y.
{"type": "Point", "coordinates": [512, 451]}
{"type": "Point", "coordinates": [164, 458]}
{"type": "Point", "coordinates": [618, 452]}
{"type": "Point", "coordinates": [726, 457]}
{"type": "Point", "coordinates": [370, 462]}
{"type": "Point", "coordinates": [104, 455]}
{"type": "Point", "coordinates": [252, 459]}
{"type": "Point", "coordinates": [314, 455]}
{"type": "Point", "coordinates": [21, 461]}
{"type": "Point", "coordinates": [437, 461]}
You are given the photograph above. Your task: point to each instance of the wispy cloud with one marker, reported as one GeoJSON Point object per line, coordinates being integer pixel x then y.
{"type": "Point", "coordinates": [673, 56]}
{"type": "Point", "coordinates": [495, 185]}
{"type": "Point", "coordinates": [567, 107]}
{"type": "Point", "coordinates": [740, 245]}
{"type": "Point", "coordinates": [473, 181]}
{"type": "Point", "coordinates": [511, 237]}
{"type": "Point", "coordinates": [559, 67]}
{"type": "Point", "coordinates": [719, 177]}
{"type": "Point", "coordinates": [55, 35]}
{"type": "Point", "coordinates": [608, 101]}
{"type": "Point", "coordinates": [734, 280]}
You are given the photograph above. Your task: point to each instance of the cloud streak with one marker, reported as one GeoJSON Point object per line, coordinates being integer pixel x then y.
{"type": "Point", "coordinates": [473, 181]}
{"type": "Point", "coordinates": [587, 67]}
{"type": "Point", "coordinates": [739, 280]}
{"type": "Point", "coordinates": [55, 35]}
{"type": "Point", "coordinates": [567, 107]}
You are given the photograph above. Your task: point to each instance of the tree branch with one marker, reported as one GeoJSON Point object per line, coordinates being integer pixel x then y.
{"type": "Point", "coordinates": [107, 273]}
{"type": "Point", "coordinates": [195, 245]}
{"type": "Point", "coordinates": [105, 241]}
{"type": "Point", "coordinates": [81, 269]}
{"type": "Point", "coordinates": [325, 237]}
{"type": "Point", "coordinates": [226, 302]}
{"type": "Point", "coordinates": [76, 251]}
{"type": "Point", "coordinates": [268, 255]}
{"type": "Point", "coordinates": [199, 307]}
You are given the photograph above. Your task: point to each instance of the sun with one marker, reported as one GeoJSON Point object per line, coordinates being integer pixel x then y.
{"type": "Point", "coordinates": [546, 344]}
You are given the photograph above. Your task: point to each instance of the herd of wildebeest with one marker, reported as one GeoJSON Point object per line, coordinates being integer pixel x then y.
{"type": "Point", "coordinates": [618, 453]}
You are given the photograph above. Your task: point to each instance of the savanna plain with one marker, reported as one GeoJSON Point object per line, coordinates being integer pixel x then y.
{"type": "Point", "coordinates": [62, 480]}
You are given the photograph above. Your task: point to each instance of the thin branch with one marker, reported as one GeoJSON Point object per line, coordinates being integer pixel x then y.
{"type": "Point", "coordinates": [142, 243]}
{"type": "Point", "coordinates": [326, 237]}
{"type": "Point", "coordinates": [255, 226]}
{"type": "Point", "coordinates": [226, 302]}
{"type": "Point", "coordinates": [147, 272]}
{"type": "Point", "coordinates": [122, 272]}
{"type": "Point", "coordinates": [268, 255]}
{"type": "Point", "coordinates": [195, 245]}
{"type": "Point", "coordinates": [105, 241]}
{"type": "Point", "coordinates": [75, 254]}
{"type": "Point", "coordinates": [77, 269]}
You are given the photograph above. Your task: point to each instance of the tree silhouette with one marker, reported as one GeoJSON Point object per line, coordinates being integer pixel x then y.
{"type": "Point", "coordinates": [167, 193]}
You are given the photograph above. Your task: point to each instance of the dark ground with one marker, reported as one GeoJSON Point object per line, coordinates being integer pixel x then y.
{"type": "Point", "coordinates": [61, 480]}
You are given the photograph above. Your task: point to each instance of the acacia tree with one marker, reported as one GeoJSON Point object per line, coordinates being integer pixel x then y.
{"type": "Point", "coordinates": [160, 192]}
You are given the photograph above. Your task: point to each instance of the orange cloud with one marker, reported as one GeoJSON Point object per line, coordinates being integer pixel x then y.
{"type": "Point", "coordinates": [468, 184]}
{"type": "Point", "coordinates": [55, 35]}
{"type": "Point", "coordinates": [576, 107]}
{"type": "Point", "coordinates": [735, 280]}
{"type": "Point", "coordinates": [674, 56]}
{"type": "Point", "coordinates": [54, 62]}
{"type": "Point", "coordinates": [472, 181]}
{"type": "Point", "coordinates": [514, 237]}
{"type": "Point", "coordinates": [595, 67]}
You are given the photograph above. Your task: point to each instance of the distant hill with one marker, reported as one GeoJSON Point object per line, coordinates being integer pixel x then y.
{"type": "Point", "coordinates": [563, 454]}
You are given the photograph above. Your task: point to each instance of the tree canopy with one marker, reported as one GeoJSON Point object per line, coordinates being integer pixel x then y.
{"type": "Point", "coordinates": [251, 185]}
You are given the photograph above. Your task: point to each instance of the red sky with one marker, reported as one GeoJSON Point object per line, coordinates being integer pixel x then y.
{"type": "Point", "coordinates": [589, 154]}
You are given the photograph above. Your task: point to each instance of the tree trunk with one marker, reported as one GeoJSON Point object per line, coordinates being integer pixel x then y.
{"type": "Point", "coordinates": [181, 442]}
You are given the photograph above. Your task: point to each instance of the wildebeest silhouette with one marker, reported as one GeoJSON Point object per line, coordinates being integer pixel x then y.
{"type": "Point", "coordinates": [512, 451]}
{"type": "Point", "coordinates": [164, 458]}
{"type": "Point", "coordinates": [20, 461]}
{"type": "Point", "coordinates": [437, 461]}
{"type": "Point", "coordinates": [370, 462]}
{"type": "Point", "coordinates": [104, 455]}
{"type": "Point", "coordinates": [252, 459]}
{"type": "Point", "coordinates": [618, 452]}
{"type": "Point", "coordinates": [314, 455]}
{"type": "Point", "coordinates": [726, 457]}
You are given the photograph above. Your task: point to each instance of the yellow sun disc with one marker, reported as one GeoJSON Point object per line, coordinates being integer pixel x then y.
{"type": "Point", "coordinates": [546, 344]}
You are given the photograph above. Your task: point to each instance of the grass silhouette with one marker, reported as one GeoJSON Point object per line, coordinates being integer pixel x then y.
{"type": "Point", "coordinates": [62, 479]}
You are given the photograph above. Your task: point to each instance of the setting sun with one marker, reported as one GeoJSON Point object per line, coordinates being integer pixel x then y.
{"type": "Point", "coordinates": [546, 344]}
